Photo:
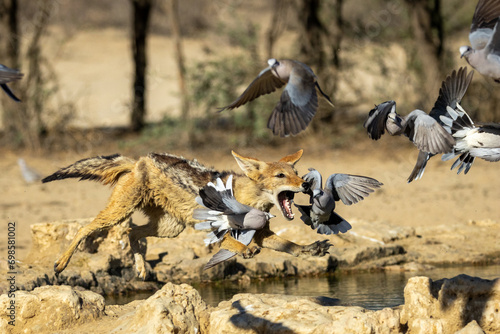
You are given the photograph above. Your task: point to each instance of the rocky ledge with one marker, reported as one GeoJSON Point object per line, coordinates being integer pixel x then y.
{"type": "Point", "coordinates": [462, 304]}
{"type": "Point", "coordinates": [104, 262]}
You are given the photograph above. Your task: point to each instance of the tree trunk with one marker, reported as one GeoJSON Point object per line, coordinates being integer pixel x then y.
{"type": "Point", "coordinates": [329, 79]}
{"type": "Point", "coordinates": [312, 31]}
{"type": "Point", "coordinates": [337, 35]}
{"type": "Point", "coordinates": [173, 12]}
{"type": "Point", "coordinates": [140, 17]}
{"type": "Point", "coordinates": [277, 25]}
{"type": "Point", "coordinates": [427, 29]}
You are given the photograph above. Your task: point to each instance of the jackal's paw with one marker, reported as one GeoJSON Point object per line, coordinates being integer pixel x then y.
{"type": "Point", "coordinates": [318, 248]}
{"type": "Point", "coordinates": [60, 265]}
{"type": "Point", "coordinates": [140, 266]}
{"type": "Point", "coordinates": [141, 273]}
{"type": "Point", "coordinates": [250, 252]}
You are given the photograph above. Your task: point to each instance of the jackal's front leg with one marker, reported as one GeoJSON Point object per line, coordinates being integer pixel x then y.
{"type": "Point", "coordinates": [233, 245]}
{"type": "Point", "coordinates": [268, 239]}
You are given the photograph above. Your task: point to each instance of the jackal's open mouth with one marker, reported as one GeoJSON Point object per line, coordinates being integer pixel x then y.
{"type": "Point", "coordinates": [285, 199]}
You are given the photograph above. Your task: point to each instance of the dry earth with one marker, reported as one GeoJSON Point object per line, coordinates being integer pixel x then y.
{"type": "Point", "coordinates": [440, 198]}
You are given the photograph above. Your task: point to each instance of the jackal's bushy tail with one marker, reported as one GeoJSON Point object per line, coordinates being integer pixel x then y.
{"type": "Point", "coordinates": [105, 169]}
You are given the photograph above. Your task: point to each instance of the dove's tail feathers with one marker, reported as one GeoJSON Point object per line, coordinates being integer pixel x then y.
{"type": "Point", "coordinates": [344, 225]}
{"type": "Point", "coordinates": [448, 156]}
{"type": "Point", "coordinates": [460, 125]}
{"type": "Point", "coordinates": [214, 236]}
{"type": "Point", "coordinates": [221, 256]}
{"type": "Point", "coordinates": [214, 218]}
{"type": "Point", "coordinates": [336, 224]}
{"type": "Point", "coordinates": [206, 225]}
{"type": "Point", "coordinates": [418, 170]}
{"type": "Point", "coordinates": [464, 163]}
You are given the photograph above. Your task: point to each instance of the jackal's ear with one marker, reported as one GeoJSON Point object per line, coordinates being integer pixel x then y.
{"type": "Point", "coordinates": [292, 158]}
{"type": "Point", "coordinates": [248, 165]}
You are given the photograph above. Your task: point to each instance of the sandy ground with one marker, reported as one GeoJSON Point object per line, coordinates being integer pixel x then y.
{"type": "Point", "coordinates": [440, 197]}
{"type": "Point", "coordinates": [94, 78]}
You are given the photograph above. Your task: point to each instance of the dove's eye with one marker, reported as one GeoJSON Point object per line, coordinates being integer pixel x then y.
{"type": "Point", "coordinates": [280, 175]}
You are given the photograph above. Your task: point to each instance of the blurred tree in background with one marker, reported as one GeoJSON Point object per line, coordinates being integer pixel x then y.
{"type": "Point", "coordinates": [140, 21]}
{"type": "Point", "coordinates": [362, 52]}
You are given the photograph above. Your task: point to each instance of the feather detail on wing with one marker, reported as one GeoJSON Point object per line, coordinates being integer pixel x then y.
{"type": "Point", "coordinates": [289, 117]}
{"type": "Point", "coordinates": [375, 123]}
{"type": "Point", "coordinates": [265, 83]}
{"type": "Point", "coordinates": [351, 189]}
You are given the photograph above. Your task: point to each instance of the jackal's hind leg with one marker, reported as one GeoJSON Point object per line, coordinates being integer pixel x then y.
{"type": "Point", "coordinates": [138, 249]}
{"type": "Point", "coordinates": [268, 239]}
{"type": "Point", "coordinates": [233, 245]}
{"type": "Point", "coordinates": [160, 225]}
{"type": "Point", "coordinates": [122, 204]}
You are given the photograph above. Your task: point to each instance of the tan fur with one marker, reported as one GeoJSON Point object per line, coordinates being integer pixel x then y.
{"type": "Point", "coordinates": [164, 187]}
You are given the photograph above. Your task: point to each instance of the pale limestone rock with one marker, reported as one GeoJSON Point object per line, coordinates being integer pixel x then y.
{"type": "Point", "coordinates": [103, 263]}
{"type": "Point", "coordinates": [173, 309]}
{"type": "Point", "coordinates": [267, 313]}
{"type": "Point", "coordinates": [447, 305]}
{"type": "Point", "coordinates": [50, 308]}
{"type": "Point", "coordinates": [471, 328]}
{"type": "Point", "coordinates": [102, 251]}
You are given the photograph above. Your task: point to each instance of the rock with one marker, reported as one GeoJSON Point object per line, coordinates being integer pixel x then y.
{"type": "Point", "coordinates": [50, 308]}
{"type": "Point", "coordinates": [447, 305]}
{"type": "Point", "coordinates": [268, 313]}
{"type": "Point", "coordinates": [366, 257]}
{"type": "Point", "coordinates": [471, 328]}
{"type": "Point", "coordinates": [268, 263]}
{"type": "Point", "coordinates": [173, 309]}
{"type": "Point", "coordinates": [104, 263]}
{"type": "Point", "coordinates": [106, 251]}
{"type": "Point", "coordinates": [474, 243]}
{"type": "Point", "coordinates": [378, 232]}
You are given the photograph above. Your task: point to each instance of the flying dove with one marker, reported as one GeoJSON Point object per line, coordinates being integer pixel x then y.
{"type": "Point", "coordinates": [484, 36]}
{"type": "Point", "coordinates": [350, 189]}
{"type": "Point", "coordinates": [223, 214]}
{"type": "Point", "coordinates": [8, 75]}
{"type": "Point", "coordinates": [30, 175]}
{"type": "Point", "coordinates": [424, 130]}
{"type": "Point", "coordinates": [482, 141]}
{"type": "Point", "coordinates": [299, 101]}
{"type": "Point", "coordinates": [451, 93]}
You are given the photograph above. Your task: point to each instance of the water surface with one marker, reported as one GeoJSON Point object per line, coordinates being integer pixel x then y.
{"type": "Point", "coordinates": [374, 291]}
{"type": "Point", "coordinates": [371, 290]}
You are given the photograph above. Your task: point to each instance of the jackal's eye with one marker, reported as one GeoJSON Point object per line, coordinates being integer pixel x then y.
{"type": "Point", "coordinates": [280, 175]}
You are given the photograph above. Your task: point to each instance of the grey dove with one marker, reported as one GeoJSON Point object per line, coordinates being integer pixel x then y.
{"type": "Point", "coordinates": [30, 175]}
{"type": "Point", "coordinates": [484, 36]}
{"type": "Point", "coordinates": [481, 141]}
{"type": "Point", "coordinates": [8, 75]}
{"type": "Point", "coordinates": [298, 102]}
{"type": "Point", "coordinates": [424, 130]}
{"type": "Point", "coordinates": [350, 189]}
{"type": "Point", "coordinates": [224, 214]}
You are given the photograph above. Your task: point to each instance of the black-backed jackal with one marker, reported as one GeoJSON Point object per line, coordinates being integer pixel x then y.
{"type": "Point", "coordinates": [164, 187]}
